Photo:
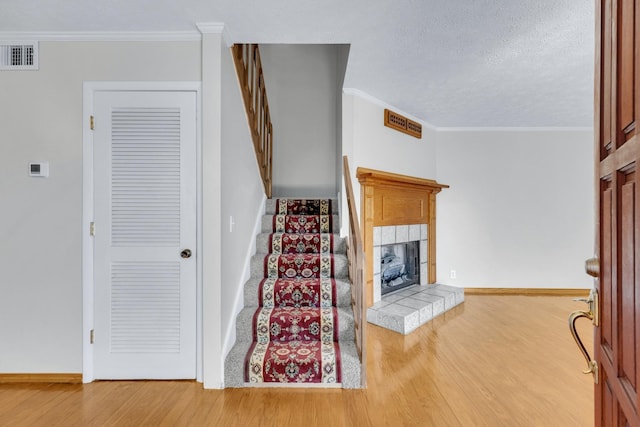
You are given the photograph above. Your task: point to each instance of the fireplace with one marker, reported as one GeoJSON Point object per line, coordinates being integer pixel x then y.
{"type": "Point", "coordinates": [397, 209]}
{"type": "Point", "coordinates": [399, 266]}
{"type": "Point", "coordinates": [400, 258]}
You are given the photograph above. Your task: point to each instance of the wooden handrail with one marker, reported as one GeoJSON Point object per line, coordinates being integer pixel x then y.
{"type": "Point", "coordinates": [246, 58]}
{"type": "Point", "coordinates": [355, 253]}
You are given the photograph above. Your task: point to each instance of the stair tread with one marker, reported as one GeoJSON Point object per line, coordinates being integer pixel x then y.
{"type": "Point", "coordinates": [285, 324]}
{"type": "Point", "coordinates": [339, 264]}
{"type": "Point", "coordinates": [246, 317]}
{"type": "Point", "coordinates": [294, 361]}
{"type": "Point", "coordinates": [342, 291]}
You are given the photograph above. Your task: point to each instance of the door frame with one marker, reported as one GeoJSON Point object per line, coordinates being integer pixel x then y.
{"type": "Point", "coordinates": [89, 90]}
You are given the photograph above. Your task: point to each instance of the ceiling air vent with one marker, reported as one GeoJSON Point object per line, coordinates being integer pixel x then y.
{"type": "Point", "coordinates": [18, 56]}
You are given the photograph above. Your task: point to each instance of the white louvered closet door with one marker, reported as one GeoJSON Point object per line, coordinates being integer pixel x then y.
{"type": "Point", "coordinates": [145, 217]}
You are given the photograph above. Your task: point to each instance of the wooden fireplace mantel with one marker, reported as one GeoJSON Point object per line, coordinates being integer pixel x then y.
{"type": "Point", "coordinates": [394, 199]}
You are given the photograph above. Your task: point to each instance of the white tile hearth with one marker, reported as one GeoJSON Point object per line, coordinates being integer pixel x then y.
{"type": "Point", "coordinates": [406, 310]}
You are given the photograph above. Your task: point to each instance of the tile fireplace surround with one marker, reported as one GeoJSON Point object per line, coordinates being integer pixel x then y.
{"type": "Point", "coordinates": [405, 310]}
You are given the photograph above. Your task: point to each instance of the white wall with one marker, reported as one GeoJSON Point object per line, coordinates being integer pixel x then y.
{"type": "Point", "coordinates": [40, 219]}
{"type": "Point", "coordinates": [368, 143]}
{"type": "Point", "coordinates": [342, 60]}
{"type": "Point", "coordinates": [519, 213]}
{"type": "Point", "coordinates": [301, 83]}
{"type": "Point", "coordinates": [242, 198]}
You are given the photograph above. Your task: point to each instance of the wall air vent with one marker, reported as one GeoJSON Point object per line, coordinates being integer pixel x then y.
{"type": "Point", "coordinates": [18, 56]}
{"type": "Point", "coordinates": [402, 124]}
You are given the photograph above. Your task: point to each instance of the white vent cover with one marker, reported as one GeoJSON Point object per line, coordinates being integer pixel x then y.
{"type": "Point", "coordinates": [18, 56]}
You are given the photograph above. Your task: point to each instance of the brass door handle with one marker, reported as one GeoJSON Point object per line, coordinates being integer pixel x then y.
{"type": "Point", "coordinates": [186, 253]}
{"type": "Point", "coordinates": [592, 314]}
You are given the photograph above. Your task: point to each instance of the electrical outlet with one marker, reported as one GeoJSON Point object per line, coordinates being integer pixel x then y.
{"type": "Point", "coordinates": [452, 274]}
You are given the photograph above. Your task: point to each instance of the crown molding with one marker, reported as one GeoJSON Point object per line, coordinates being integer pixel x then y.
{"type": "Point", "coordinates": [515, 129]}
{"type": "Point", "coordinates": [210, 27]}
{"type": "Point", "coordinates": [374, 100]}
{"type": "Point", "coordinates": [97, 36]}
{"type": "Point", "coordinates": [216, 28]}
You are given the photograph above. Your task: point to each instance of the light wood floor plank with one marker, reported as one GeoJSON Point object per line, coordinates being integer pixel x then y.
{"type": "Point", "coordinates": [504, 360]}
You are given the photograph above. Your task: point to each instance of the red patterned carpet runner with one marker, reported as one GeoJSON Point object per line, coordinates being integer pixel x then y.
{"type": "Point", "coordinates": [297, 293]}
{"type": "Point", "coordinates": [302, 224]}
{"type": "Point", "coordinates": [307, 266]}
{"type": "Point", "coordinates": [294, 362]}
{"type": "Point", "coordinates": [283, 243]}
{"type": "Point", "coordinates": [286, 324]}
{"type": "Point", "coordinates": [295, 329]}
{"type": "Point", "coordinates": [303, 207]}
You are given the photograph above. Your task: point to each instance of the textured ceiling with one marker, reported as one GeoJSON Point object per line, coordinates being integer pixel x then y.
{"type": "Point", "coordinates": [451, 63]}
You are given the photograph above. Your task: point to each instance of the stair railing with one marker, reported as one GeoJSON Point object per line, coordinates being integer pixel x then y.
{"type": "Point", "coordinates": [249, 69]}
{"type": "Point", "coordinates": [355, 253]}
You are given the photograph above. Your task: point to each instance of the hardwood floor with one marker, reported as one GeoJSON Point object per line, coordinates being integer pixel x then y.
{"type": "Point", "coordinates": [493, 361]}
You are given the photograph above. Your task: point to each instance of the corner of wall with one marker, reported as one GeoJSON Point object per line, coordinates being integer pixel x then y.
{"type": "Point", "coordinates": [213, 372]}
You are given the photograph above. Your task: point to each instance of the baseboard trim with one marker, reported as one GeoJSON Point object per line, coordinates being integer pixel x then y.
{"type": "Point", "coordinates": [41, 378]}
{"type": "Point", "coordinates": [528, 292]}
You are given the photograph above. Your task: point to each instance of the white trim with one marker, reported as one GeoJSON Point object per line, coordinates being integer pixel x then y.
{"type": "Point", "coordinates": [210, 27]}
{"type": "Point", "coordinates": [515, 129]}
{"type": "Point", "coordinates": [89, 89]}
{"type": "Point", "coordinates": [216, 28]}
{"type": "Point", "coordinates": [87, 240]}
{"type": "Point", "coordinates": [92, 36]}
{"type": "Point", "coordinates": [374, 100]}
{"type": "Point", "coordinates": [199, 219]}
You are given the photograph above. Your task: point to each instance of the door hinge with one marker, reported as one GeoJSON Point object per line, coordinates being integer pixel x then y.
{"type": "Point", "coordinates": [92, 228]}
{"type": "Point", "coordinates": [91, 123]}
{"type": "Point", "coordinates": [91, 337]}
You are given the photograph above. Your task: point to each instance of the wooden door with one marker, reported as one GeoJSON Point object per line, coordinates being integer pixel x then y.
{"type": "Point", "coordinates": [617, 153]}
{"type": "Point", "coordinates": [145, 233]}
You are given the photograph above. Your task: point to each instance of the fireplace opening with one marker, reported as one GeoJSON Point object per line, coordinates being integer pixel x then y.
{"type": "Point", "coordinates": [399, 266]}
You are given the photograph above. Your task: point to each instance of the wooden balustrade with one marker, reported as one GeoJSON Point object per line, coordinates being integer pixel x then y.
{"type": "Point", "coordinates": [355, 252]}
{"type": "Point", "coordinates": [254, 93]}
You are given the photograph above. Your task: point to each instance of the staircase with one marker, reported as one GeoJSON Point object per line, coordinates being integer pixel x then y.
{"type": "Point", "coordinates": [297, 323]}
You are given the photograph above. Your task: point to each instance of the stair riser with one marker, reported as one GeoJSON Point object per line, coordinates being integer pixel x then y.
{"type": "Point", "coordinates": [267, 224]}
{"type": "Point", "coordinates": [270, 206]}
